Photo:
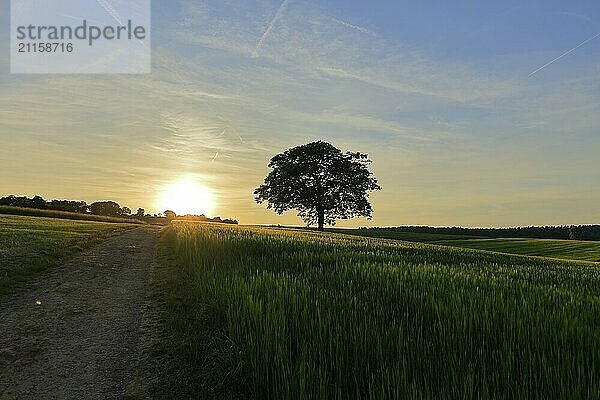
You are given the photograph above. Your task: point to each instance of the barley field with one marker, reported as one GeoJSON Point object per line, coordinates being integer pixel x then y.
{"type": "Point", "coordinates": [264, 313]}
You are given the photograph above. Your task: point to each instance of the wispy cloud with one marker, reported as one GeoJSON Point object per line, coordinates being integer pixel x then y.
{"type": "Point", "coordinates": [71, 16]}
{"type": "Point", "coordinates": [433, 125]}
{"type": "Point", "coordinates": [200, 93]}
{"type": "Point", "coordinates": [575, 15]}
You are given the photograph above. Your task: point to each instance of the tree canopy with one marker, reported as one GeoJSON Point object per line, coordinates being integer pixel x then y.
{"type": "Point", "coordinates": [321, 182]}
{"type": "Point", "coordinates": [107, 208]}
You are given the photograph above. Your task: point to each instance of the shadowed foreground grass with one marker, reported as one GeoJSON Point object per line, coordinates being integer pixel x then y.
{"type": "Point", "coordinates": [29, 245]}
{"type": "Point", "coordinates": [261, 313]}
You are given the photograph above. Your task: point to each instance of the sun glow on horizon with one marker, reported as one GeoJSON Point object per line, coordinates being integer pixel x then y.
{"type": "Point", "coordinates": [187, 196]}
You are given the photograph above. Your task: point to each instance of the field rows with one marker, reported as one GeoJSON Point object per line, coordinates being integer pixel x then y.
{"type": "Point", "coordinates": [563, 249]}
{"type": "Point", "coordinates": [265, 313]}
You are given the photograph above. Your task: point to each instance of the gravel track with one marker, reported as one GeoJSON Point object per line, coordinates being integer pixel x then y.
{"type": "Point", "coordinates": [78, 332]}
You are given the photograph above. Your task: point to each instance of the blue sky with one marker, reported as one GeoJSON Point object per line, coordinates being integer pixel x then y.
{"type": "Point", "coordinates": [438, 94]}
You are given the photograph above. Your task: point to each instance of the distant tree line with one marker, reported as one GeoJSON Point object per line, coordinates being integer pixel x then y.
{"type": "Point", "coordinates": [198, 218]}
{"type": "Point", "coordinates": [573, 232]}
{"type": "Point", "coordinates": [102, 208]}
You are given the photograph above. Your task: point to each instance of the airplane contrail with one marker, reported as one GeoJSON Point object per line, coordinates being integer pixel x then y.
{"type": "Point", "coordinates": [564, 54]}
{"type": "Point", "coordinates": [270, 27]}
{"type": "Point", "coordinates": [352, 26]}
{"type": "Point", "coordinates": [111, 11]}
{"type": "Point", "coordinates": [116, 16]}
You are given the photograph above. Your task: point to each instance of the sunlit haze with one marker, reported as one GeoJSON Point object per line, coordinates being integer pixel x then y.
{"type": "Point", "coordinates": [187, 196]}
{"type": "Point", "coordinates": [447, 98]}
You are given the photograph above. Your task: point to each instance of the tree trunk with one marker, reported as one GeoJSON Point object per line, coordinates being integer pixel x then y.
{"type": "Point", "coordinates": [321, 220]}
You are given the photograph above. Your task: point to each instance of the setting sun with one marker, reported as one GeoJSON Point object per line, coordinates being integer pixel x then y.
{"type": "Point", "coordinates": [187, 196]}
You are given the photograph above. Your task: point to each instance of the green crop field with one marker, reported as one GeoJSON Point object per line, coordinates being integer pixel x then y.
{"type": "Point", "coordinates": [399, 235]}
{"type": "Point", "coordinates": [265, 313]}
{"type": "Point", "coordinates": [34, 212]}
{"type": "Point", "coordinates": [563, 249]}
{"type": "Point", "coordinates": [29, 245]}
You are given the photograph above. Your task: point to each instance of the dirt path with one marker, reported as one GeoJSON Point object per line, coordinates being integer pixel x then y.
{"type": "Point", "coordinates": [83, 341]}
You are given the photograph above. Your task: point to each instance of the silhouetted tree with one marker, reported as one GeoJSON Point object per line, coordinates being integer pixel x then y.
{"type": "Point", "coordinates": [575, 232]}
{"type": "Point", "coordinates": [170, 215]}
{"type": "Point", "coordinates": [23, 201]}
{"type": "Point", "coordinates": [108, 208]}
{"type": "Point", "coordinates": [140, 212]}
{"type": "Point", "coordinates": [321, 182]}
{"type": "Point", "coordinates": [38, 202]}
{"type": "Point", "coordinates": [68, 206]}
{"type": "Point", "coordinates": [126, 211]}
{"type": "Point", "coordinates": [7, 200]}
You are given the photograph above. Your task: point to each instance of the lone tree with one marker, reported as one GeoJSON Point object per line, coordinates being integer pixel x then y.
{"type": "Point", "coordinates": [171, 215]}
{"type": "Point", "coordinates": [321, 182]}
